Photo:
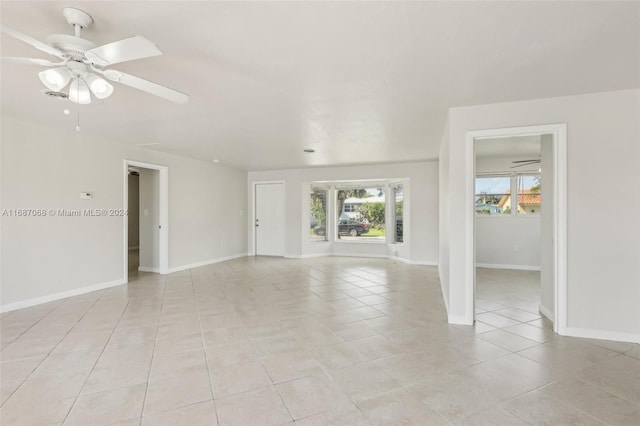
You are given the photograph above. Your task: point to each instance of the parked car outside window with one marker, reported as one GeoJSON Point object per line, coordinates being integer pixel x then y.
{"type": "Point", "coordinates": [346, 227]}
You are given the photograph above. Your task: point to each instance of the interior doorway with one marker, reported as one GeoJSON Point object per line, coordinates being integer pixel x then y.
{"type": "Point", "coordinates": [269, 218]}
{"type": "Point", "coordinates": [133, 217]}
{"type": "Point", "coordinates": [146, 224]}
{"type": "Point", "coordinates": [528, 240]}
{"type": "Point", "coordinates": [511, 237]}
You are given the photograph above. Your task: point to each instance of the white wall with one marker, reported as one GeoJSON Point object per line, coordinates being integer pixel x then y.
{"type": "Point", "coordinates": [48, 168]}
{"type": "Point", "coordinates": [133, 205]}
{"type": "Point", "coordinates": [421, 210]}
{"type": "Point", "coordinates": [603, 204]}
{"type": "Point", "coordinates": [511, 242]}
{"type": "Point", "coordinates": [149, 220]}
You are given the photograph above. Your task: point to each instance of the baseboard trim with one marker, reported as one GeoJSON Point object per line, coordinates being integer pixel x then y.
{"type": "Point", "coordinates": [615, 336]}
{"type": "Point", "coordinates": [501, 266]}
{"type": "Point", "coordinates": [205, 263]}
{"type": "Point", "coordinates": [61, 295]}
{"type": "Point", "coordinates": [547, 313]}
{"type": "Point", "coordinates": [147, 269]}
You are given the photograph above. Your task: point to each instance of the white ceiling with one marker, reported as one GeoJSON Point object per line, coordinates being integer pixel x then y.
{"type": "Point", "coordinates": [360, 82]}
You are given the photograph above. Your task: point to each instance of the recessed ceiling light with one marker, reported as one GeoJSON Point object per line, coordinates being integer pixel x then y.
{"type": "Point", "coordinates": [216, 161]}
{"type": "Point", "coordinates": [66, 112]}
{"type": "Point", "coordinates": [148, 144]}
{"type": "Point", "coordinates": [310, 150]}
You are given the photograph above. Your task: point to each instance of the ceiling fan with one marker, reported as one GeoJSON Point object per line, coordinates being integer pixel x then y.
{"type": "Point", "coordinates": [522, 163]}
{"type": "Point", "coordinates": [81, 64]}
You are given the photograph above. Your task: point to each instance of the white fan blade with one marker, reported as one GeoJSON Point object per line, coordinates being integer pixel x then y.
{"type": "Point", "coordinates": [121, 51]}
{"type": "Point", "coordinates": [146, 86]}
{"type": "Point", "coordinates": [30, 61]}
{"type": "Point", "coordinates": [32, 41]}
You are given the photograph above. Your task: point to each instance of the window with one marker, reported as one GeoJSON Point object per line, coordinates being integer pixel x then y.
{"type": "Point", "coordinates": [318, 214]}
{"type": "Point", "coordinates": [398, 211]}
{"type": "Point", "coordinates": [529, 196]}
{"type": "Point", "coordinates": [361, 214]}
{"type": "Point", "coordinates": [493, 195]}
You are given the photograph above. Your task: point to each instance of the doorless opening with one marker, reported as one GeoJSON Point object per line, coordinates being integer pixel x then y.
{"type": "Point", "coordinates": [153, 184]}
{"type": "Point", "coordinates": [553, 220]}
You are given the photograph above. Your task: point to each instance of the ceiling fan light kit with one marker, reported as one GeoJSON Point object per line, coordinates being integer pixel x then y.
{"type": "Point", "coordinates": [82, 63]}
{"type": "Point", "coordinates": [55, 79]}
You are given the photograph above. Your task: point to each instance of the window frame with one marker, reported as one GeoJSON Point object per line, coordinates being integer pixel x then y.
{"type": "Point", "coordinates": [327, 192]}
{"type": "Point", "coordinates": [513, 188]}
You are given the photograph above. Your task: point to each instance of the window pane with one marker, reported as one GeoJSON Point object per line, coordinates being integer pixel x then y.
{"type": "Point", "coordinates": [493, 195]}
{"type": "Point", "coordinates": [318, 210]}
{"type": "Point", "coordinates": [361, 214]}
{"type": "Point", "coordinates": [529, 199]}
{"type": "Point", "coordinates": [399, 212]}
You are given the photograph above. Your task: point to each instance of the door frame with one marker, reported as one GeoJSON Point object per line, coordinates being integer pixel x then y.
{"type": "Point", "coordinates": [253, 243]}
{"type": "Point", "coordinates": [559, 133]}
{"type": "Point", "coordinates": [163, 215]}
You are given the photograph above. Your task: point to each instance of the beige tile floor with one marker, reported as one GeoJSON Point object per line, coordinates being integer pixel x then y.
{"type": "Point", "coordinates": [332, 341]}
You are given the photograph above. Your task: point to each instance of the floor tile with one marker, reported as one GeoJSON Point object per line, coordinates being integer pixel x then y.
{"type": "Point", "coordinates": [508, 341]}
{"type": "Point", "coordinates": [199, 414]}
{"type": "Point", "coordinates": [292, 366]}
{"type": "Point", "coordinates": [311, 395]}
{"type": "Point", "coordinates": [351, 416]}
{"type": "Point", "coordinates": [259, 407]}
{"type": "Point", "coordinates": [398, 408]}
{"type": "Point", "coordinates": [494, 416]}
{"type": "Point", "coordinates": [596, 402]}
{"type": "Point", "coordinates": [176, 364]}
{"type": "Point", "coordinates": [539, 408]}
{"type": "Point", "coordinates": [20, 411]}
{"type": "Point", "coordinates": [364, 381]}
{"type": "Point", "coordinates": [105, 408]}
{"type": "Point", "coordinates": [178, 391]}
{"type": "Point", "coordinates": [239, 378]}
{"type": "Point", "coordinates": [356, 341]}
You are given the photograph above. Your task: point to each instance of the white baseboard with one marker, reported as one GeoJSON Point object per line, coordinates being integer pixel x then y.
{"type": "Point", "coordinates": [307, 256]}
{"type": "Point", "coordinates": [501, 266]}
{"type": "Point", "coordinates": [547, 313]}
{"type": "Point", "coordinates": [205, 263]}
{"type": "Point", "coordinates": [615, 336]}
{"type": "Point", "coordinates": [148, 269]}
{"type": "Point", "coordinates": [57, 296]}
{"type": "Point", "coordinates": [419, 263]}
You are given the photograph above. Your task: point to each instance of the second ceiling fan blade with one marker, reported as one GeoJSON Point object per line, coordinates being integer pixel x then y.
{"type": "Point", "coordinates": [146, 86]}
{"type": "Point", "coordinates": [135, 47]}
{"type": "Point", "coordinates": [32, 41]}
{"type": "Point", "coordinates": [30, 61]}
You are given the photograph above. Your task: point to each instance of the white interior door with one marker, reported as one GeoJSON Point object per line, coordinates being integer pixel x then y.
{"type": "Point", "coordinates": [270, 220]}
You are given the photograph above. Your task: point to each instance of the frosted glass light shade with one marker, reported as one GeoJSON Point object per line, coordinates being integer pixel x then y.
{"type": "Point", "coordinates": [79, 92]}
{"type": "Point", "coordinates": [99, 87]}
{"type": "Point", "coordinates": [55, 78]}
